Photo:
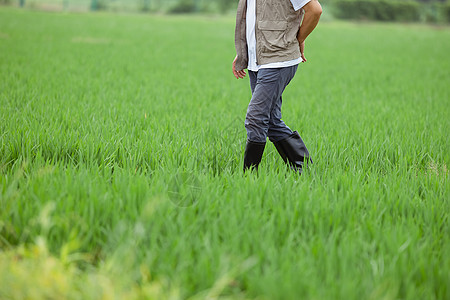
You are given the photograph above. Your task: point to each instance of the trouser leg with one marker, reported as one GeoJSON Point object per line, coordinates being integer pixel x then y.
{"type": "Point", "coordinates": [264, 111]}
{"type": "Point", "coordinates": [278, 130]}
{"type": "Point", "coordinates": [289, 144]}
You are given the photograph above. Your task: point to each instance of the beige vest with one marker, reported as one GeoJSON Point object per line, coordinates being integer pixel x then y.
{"type": "Point", "coordinates": [277, 25]}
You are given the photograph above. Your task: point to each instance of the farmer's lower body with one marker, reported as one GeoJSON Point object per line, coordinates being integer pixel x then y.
{"type": "Point", "coordinates": [263, 120]}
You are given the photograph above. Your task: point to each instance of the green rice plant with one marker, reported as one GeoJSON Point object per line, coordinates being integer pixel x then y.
{"type": "Point", "coordinates": [121, 143]}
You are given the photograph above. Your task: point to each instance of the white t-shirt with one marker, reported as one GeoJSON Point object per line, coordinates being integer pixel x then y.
{"type": "Point", "coordinates": [251, 38]}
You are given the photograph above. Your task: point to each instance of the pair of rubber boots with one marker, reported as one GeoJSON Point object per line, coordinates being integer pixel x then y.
{"type": "Point", "coordinates": [292, 149]}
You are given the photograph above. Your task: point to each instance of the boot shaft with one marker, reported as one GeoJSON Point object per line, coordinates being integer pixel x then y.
{"type": "Point", "coordinates": [253, 154]}
{"type": "Point", "coordinates": [293, 151]}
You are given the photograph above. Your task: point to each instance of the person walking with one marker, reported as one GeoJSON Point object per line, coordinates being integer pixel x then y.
{"type": "Point", "coordinates": [270, 43]}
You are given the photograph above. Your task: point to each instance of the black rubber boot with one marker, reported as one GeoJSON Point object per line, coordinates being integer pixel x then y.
{"type": "Point", "coordinates": [253, 154]}
{"type": "Point", "coordinates": [293, 151]}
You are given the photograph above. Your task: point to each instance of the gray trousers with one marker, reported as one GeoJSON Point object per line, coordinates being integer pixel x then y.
{"type": "Point", "coordinates": [263, 117]}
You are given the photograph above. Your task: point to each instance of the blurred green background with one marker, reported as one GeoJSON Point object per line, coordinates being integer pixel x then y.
{"type": "Point", "coordinates": [434, 11]}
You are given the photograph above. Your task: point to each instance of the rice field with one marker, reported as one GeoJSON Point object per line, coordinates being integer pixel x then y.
{"type": "Point", "coordinates": [121, 152]}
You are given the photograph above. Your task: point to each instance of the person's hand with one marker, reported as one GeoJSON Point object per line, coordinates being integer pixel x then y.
{"type": "Point", "coordinates": [237, 74]}
{"type": "Point", "coordinates": [302, 50]}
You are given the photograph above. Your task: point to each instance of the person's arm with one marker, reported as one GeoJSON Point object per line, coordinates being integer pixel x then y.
{"type": "Point", "coordinates": [313, 10]}
{"type": "Point", "coordinates": [237, 74]}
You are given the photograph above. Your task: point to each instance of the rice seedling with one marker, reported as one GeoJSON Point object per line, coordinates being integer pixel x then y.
{"type": "Point", "coordinates": [121, 142]}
